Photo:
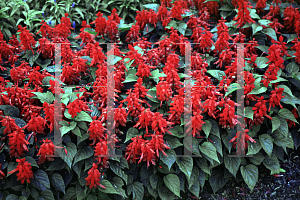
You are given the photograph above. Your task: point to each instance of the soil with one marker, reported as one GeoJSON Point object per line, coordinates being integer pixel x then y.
{"type": "Point", "coordinates": [286, 187]}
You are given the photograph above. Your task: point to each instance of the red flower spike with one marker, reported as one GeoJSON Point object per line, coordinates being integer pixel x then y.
{"type": "Point", "coordinates": [25, 171]}
{"type": "Point", "coordinates": [93, 179]}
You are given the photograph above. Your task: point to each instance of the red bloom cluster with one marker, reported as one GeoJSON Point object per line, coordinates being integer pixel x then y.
{"type": "Point", "coordinates": [25, 171]}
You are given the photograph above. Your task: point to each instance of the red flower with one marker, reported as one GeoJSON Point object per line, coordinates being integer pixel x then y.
{"type": "Point", "coordinates": [25, 171]}
{"type": "Point", "coordinates": [46, 151]}
{"type": "Point", "coordinates": [275, 98]}
{"type": "Point", "coordinates": [17, 143]}
{"type": "Point", "coordinates": [94, 177]}
{"type": "Point", "coordinates": [243, 15]}
{"type": "Point", "coordinates": [100, 153]}
{"type": "Point", "coordinates": [247, 138]}
{"type": "Point", "coordinates": [36, 124]}
{"type": "Point", "coordinates": [96, 131]}
{"type": "Point", "coordinates": [27, 39]}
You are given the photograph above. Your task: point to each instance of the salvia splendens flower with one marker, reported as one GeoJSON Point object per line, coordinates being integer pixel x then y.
{"type": "Point", "coordinates": [25, 171]}
{"type": "Point", "coordinates": [94, 177]}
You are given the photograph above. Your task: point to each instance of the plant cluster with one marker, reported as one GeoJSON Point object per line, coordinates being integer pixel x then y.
{"type": "Point", "coordinates": [150, 129]}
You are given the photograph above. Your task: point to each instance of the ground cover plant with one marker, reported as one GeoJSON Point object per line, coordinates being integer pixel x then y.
{"type": "Point", "coordinates": [149, 73]}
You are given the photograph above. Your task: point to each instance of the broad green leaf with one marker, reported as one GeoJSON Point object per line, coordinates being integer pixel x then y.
{"type": "Point", "coordinates": [253, 14]}
{"type": "Point", "coordinates": [185, 164]}
{"type": "Point", "coordinates": [253, 147]}
{"type": "Point", "coordinates": [218, 74]}
{"type": "Point", "coordinates": [170, 159]}
{"type": "Point", "coordinates": [173, 24]}
{"type": "Point", "coordinates": [207, 127]}
{"type": "Point", "coordinates": [256, 28]}
{"type": "Point", "coordinates": [66, 129]}
{"type": "Point", "coordinates": [58, 182]}
{"type": "Point", "coordinates": [232, 164]}
{"type": "Point", "coordinates": [209, 150]}
{"type": "Point", "coordinates": [173, 183]}
{"type": "Point", "coordinates": [258, 90]}
{"type": "Point", "coordinates": [232, 87]}
{"type": "Point", "coordinates": [83, 116]}
{"type": "Point", "coordinates": [131, 133]}
{"type": "Point", "coordinates": [110, 189]}
{"type": "Point", "coordinates": [71, 151]}
{"type": "Point", "coordinates": [266, 143]}
{"type": "Point", "coordinates": [272, 163]}
{"type": "Point", "coordinates": [292, 68]}
{"type": "Point", "coordinates": [31, 161]}
{"type": "Point", "coordinates": [286, 114]}
{"type": "Point", "coordinates": [286, 89]}
{"type": "Point", "coordinates": [153, 6]}
{"type": "Point", "coordinates": [137, 190]}
{"type": "Point", "coordinates": [83, 153]}
{"type": "Point", "coordinates": [41, 180]}
{"type": "Point", "coordinates": [250, 175]}
{"type": "Point", "coordinates": [182, 27]}
{"type": "Point", "coordinates": [249, 113]}
{"type": "Point", "coordinates": [270, 32]}
{"type": "Point", "coordinates": [45, 97]}
{"type": "Point", "coordinates": [275, 123]}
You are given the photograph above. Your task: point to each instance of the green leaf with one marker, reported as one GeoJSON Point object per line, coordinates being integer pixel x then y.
{"type": "Point", "coordinates": [31, 161]}
{"type": "Point", "coordinates": [209, 150]}
{"type": "Point", "coordinates": [172, 141]}
{"type": "Point", "coordinates": [148, 28]}
{"type": "Point", "coordinates": [266, 143]}
{"type": "Point", "coordinates": [270, 32]}
{"type": "Point", "coordinates": [83, 153]}
{"type": "Point", "coordinates": [164, 193]}
{"type": "Point", "coordinates": [250, 175]}
{"type": "Point", "coordinates": [232, 164]}
{"type": "Point", "coordinates": [283, 128]}
{"type": "Point", "coordinates": [137, 190]}
{"type": "Point", "coordinates": [130, 78]}
{"type": "Point", "coordinates": [253, 14]}
{"type": "Point", "coordinates": [264, 22]}
{"type": "Point", "coordinates": [253, 147]}
{"type": "Point", "coordinates": [83, 116]}
{"type": "Point", "coordinates": [41, 180]}
{"type": "Point", "coordinates": [272, 163]}
{"type": "Point", "coordinates": [173, 183]}
{"type": "Point", "coordinates": [58, 182]}
{"type": "Point", "coordinates": [232, 87]}
{"type": "Point", "coordinates": [275, 123]}
{"type": "Point", "coordinates": [256, 28]}
{"type": "Point", "coordinates": [71, 150]}
{"type": "Point", "coordinates": [185, 164]}
{"type": "Point", "coordinates": [110, 189]}
{"type": "Point", "coordinates": [292, 100]}
{"type": "Point", "coordinates": [292, 68]}
{"type": "Point", "coordinates": [131, 133]}
{"type": "Point", "coordinates": [153, 181]}
{"type": "Point", "coordinates": [207, 127]}
{"type": "Point", "coordinates": [249, 113]}
{"type": "Point", "coordinates": [153, 6]}
{"type": "Point", "coordinates": [217, 180]}
{"type": "Point", "coordinates": [260, 61]}
{"type": "Point", "coordinates": [286, 89]}
{"type": "Point", "coordinates": [66, 129]}
{"type": "Point", "coordinates": [181, 27]}
{"type": "Point", "coordinates": [292, 37]}
{"type": "Point", "coordinates": [173, 24]}
{"type": "Point", "coordinates": [218, 74]}
{"type": "Point", "coordinates": [286, 114]}
{"type": "Point", "coordinates": [45, 97]}
{"type": "Point", "coordinates": [177, 131]}
{"type": "Point", "coordinates": [170, 159]}
{"type": "Point", "coordinates": [76, 131]}
{"type": "Point", "coordinates": [116, 168]}
{"type": "Point", "coordinates": [258, 90]}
